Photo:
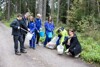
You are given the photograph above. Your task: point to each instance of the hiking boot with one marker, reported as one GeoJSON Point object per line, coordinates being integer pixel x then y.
{"type": "Point", "coordinates": [23, 51]}
{"type": "Point", "coordinates": [24, 47]}
{"type": "Point", "coordinates": [18, 53]}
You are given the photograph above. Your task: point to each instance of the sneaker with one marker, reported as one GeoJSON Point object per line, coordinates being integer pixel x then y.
{"type": "Point", "coordinates": [69, 54]}
{"type": "Point", "coordinates": [33, 48]}
{"type": "Point", "coordinates": [77, 55]}
{"type": "Point", "coordinates": [30, 47]}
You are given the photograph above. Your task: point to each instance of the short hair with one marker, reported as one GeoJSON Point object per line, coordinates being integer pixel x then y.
{"type": "Point", "coordinates": [19, 15]}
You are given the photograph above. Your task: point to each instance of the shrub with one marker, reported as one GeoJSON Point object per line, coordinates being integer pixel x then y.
{"type": "Point", "coordinates": [90, 49]}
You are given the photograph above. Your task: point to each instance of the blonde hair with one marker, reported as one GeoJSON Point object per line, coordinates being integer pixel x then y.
{"type": "Point", "coordinates": [27, 14]}
{"type": "Point", "coordinates": [38, 15]}
{"type": "Point", "coordinates": [31, 17]}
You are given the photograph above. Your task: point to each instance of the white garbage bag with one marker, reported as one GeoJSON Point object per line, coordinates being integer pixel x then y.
{"type": "Point", "coordinates": [60, 49]}
{"type": "Point", "coordinates": [29, 36]}
{"type": "Point", "coordinates": [52, 43]}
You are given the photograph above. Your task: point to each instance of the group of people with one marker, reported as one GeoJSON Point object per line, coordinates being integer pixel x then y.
{"type": "Point", "coordinates": [20, 26]}
{"type": "Point", "coordinates": [27, 23]}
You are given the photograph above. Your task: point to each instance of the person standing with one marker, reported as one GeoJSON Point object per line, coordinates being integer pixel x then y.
{"type": "Point", "coordinates": [17, 36]}
{"type": "Point", "coordinates": [38, 26]}
{"type": "Point", "coordinates": [49, 28]}
{"type": "Point", "coordinates": [25, 23]}
{"type": "Point", "coordinates": [32, 27]}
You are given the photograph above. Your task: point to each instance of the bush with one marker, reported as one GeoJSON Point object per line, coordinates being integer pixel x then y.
{"type": "Point", "coordinates": [90, 49]}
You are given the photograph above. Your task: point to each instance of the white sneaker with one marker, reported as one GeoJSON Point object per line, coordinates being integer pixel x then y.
{"type": "Point", "coordinates": [68, 53]}
{"type": "Point", "coordinates": [77, 55]}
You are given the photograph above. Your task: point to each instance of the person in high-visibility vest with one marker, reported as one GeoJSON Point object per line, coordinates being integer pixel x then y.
{"type": "Point", "coordinates": [62, 34]}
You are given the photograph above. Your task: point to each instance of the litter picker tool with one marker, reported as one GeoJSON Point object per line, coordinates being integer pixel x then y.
{"type": "Point", "coordinates": [29, 35]}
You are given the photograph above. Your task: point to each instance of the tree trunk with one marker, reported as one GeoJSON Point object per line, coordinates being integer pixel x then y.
{"type": "Point", "coordinates": [8, 17]}
{"type": "Point", "coordinates": [44, 10]}
{"type": "Point", "coordinates": [52, 7]}
{"type": "Point", "coordinates": [40, 9]}
{"type": "Point", "coordinates": [58, 11]}
{"type": "Point", "coordinates": [98, 8]}
{"type": "Point", "coordinates": [68, 2]}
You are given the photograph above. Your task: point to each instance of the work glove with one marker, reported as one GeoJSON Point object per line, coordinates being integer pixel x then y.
{"type": "Point", "coordinates": [18, 27]}
{"type": "Point", "coordinates": [28, 29]}
{"type": "Point", "coordinates": [67, 51]}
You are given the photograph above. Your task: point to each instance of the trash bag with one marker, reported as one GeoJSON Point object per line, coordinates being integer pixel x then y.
{"type": "Point", "coordinates": [29, 36]}
{"type": "Point", "coordinates": [60, 49]}
{"type": "Point", "coordinates": [52, 43]}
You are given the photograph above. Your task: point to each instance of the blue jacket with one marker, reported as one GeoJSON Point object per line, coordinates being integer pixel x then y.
{"type": "Point", "coordinates": [32, 26]}
{"type": "Point", "coordinates": [38, 23]}
{"type": "Point", "coordinates": [49, 27]}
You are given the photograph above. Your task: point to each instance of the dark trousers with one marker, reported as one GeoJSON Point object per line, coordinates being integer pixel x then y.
{"type": "Point", "coordinates": [58, 41]}
{"type": "Point", "coordinates": [16, 39]}
{"type": "Point", "coordinates": [37, 37]}
{"type": "Point", "coordinates": [24, 36]}
{"type": "Point", "coordinates": [47, 39]}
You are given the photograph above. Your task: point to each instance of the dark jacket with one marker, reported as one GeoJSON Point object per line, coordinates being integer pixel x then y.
{"type": "Point", "coordinates": [15, 24]}
{"type": "Point", "coordinates": [75, 46]}
{"type": "Point", "coordinates": [24, 25]}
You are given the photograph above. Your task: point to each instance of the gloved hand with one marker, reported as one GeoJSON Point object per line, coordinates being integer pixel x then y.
{"type": "Point", "coordinates": [28, 29]}
{"type": "Point", "coordinates": [67, 51]}
{"type": "Point", "coordinates": [40, 28]}
{"type": "Point", "coordinates": [18, 27]}
{"type": "Point", "coordinates": [38, 31]}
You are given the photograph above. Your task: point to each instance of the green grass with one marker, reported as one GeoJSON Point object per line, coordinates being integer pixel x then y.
{"type": "Point", "coordinates": [7, 22]}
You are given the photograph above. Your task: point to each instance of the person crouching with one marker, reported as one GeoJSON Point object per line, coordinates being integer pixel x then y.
{"type": "Point", "coordinates": [72, 44]}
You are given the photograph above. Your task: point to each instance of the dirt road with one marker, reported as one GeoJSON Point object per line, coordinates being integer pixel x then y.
{"type": "Point", "coordinates": [41, 57]}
